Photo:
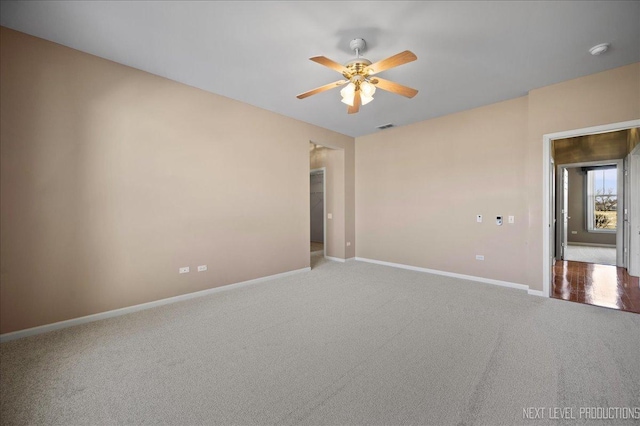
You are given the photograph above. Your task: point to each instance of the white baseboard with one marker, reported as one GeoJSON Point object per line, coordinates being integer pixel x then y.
{"type": "Point", "coordinates": [536, 293]}
{"type": "Point", "coordinates": [591, 244]}
{"type": "Point", "coordinates": [335, 259]}
{"type": "Point", "coordinates": [135, 308]}
{"type": "Point", "coordinates": [450, 274]}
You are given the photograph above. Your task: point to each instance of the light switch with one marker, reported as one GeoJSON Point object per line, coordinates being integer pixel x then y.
{"type": "Point", "coordinates": [329, 216]}
{"type": "Point", "coordinates": [512, 219]}
{"type": "Point", "coordinates": [479, 218]}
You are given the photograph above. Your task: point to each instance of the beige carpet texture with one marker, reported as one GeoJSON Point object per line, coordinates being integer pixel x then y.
{"type": "Point", "coordinates": [344, 344]}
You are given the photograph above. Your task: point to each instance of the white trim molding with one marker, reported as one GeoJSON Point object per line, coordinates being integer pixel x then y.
{"type": "Point", "coordinates": [335, 259]}
{"type": "Point", "coordinates": [452, 274]}
{"type": "Point", "coordinates": [135, 308]}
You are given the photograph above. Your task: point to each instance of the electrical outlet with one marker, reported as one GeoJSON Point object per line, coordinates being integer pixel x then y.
{"type": "Point", "coordinates": [184, 270]}
{"type": "Point", "coordinates": [329, 216]}
{"type": "Point", "coordinates": [479, 257]}
{"type": "Point", "coordinates": [574, 232]}
{"type": "Point", "coordinates": [202, 268]}
{"type": "Point", "coordinates": [348, 243]}
{"type": "Point", "coordinates": [512, 219]}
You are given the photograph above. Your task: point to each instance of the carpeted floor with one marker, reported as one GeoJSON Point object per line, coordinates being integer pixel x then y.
{"type": "Point", "coordinates": [590, 254]}
{"type": "Point", "coordinates": [347, 343]}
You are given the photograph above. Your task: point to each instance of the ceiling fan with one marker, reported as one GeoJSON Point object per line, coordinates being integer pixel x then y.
{"type": "Point", "coordinates": [358, 74]}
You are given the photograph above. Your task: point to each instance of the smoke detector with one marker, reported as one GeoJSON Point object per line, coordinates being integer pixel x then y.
{"type": "Point", "coordinates": [599, 49]}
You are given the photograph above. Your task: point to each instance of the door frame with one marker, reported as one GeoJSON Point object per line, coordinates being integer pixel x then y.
{"type": "Point", "coordinates": [547, 216]}
{"type": "Point", "coordinates": [633, 211]}
{"type": "Point", "coordinates": [621, 194]}
{"type": "Point", "coordinates": [324, 208]}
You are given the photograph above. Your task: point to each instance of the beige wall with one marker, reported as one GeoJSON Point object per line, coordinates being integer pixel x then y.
{"type": "Point", "coordinates": [419, 187]}
{"type": "Point", "coordinates": [113, 178]}
{"type": "Point", "coordinates": [578, 213]}
{"type": "Point", "coordinates": [333, 160]}
{"type": "Point", "coordinates": [608, 97]}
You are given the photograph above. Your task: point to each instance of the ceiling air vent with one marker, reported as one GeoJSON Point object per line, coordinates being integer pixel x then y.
{"type": "Point", "coordinates": [384, 126]}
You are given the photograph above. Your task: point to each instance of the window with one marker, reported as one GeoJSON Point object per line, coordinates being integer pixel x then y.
{"type": "Point", "coordinates": [602, 199]}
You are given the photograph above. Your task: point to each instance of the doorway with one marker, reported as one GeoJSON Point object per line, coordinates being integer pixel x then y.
{"type": "Point", "coordinates": [331, 161]}
{"type": "Point", "coordinates": [602, 210]}
{"type": "Point", "coordinates": [317, 188]}
{"type": "Point", "coordinates": [589, 213]}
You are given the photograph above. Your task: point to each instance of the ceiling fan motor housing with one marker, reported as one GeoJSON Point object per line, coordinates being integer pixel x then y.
{"type": "Point", "coordinates": [358, 44]}
{"type": "Point", "coordinates": [356, 67]}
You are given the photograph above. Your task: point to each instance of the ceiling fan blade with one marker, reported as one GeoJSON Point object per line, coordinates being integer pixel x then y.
{"type": "Point", "coordinates": [391, 62]}
{"type": "Point", "coordinates": [356, 103]}
{"type": "Point", "coordinates": [329, 63]}
{"type": "Point", "coordinates": [390, 86]}
{"type": "Point", "coordinates": [321, 89]}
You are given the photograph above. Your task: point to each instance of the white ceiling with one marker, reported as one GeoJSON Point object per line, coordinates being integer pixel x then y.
{"type": "Point", "coordinates": [469, 53]}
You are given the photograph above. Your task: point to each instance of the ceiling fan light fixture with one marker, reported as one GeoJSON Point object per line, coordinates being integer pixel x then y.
{"type": "Point", "coordinates": [364, 99]}
{"type": "Point", "coordinates": [348, 94]}
{"type": "Point", "coordinates": [348, 100]}
{"type": "Point", "coordinates": [367, 90]}
{"type": "Point", "coordinates": [348, 91]}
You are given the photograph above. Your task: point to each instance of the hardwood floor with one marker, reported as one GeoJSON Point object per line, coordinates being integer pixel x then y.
{"type": "Point", "coordinates": [594, 284]}
{"type": "Point", "coordinates": [316, 246]}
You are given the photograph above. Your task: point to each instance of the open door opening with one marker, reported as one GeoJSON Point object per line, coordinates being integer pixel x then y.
{"type": "Point", "coordinates": [591, 197]}
{"type": "Point", "coordinates": [317, 207]}
{"type": "Point", "coordinates": [327, 169]}
{"type": "Point", "coordinates": [590, 208]}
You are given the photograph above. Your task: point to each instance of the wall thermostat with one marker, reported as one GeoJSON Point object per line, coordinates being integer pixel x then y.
{"type": "Point", "coordinates": [498, 220]}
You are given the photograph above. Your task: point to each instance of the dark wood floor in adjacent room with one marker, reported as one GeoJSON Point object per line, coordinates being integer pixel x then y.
{"type": "Point", "coordinates": [593, 284]}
